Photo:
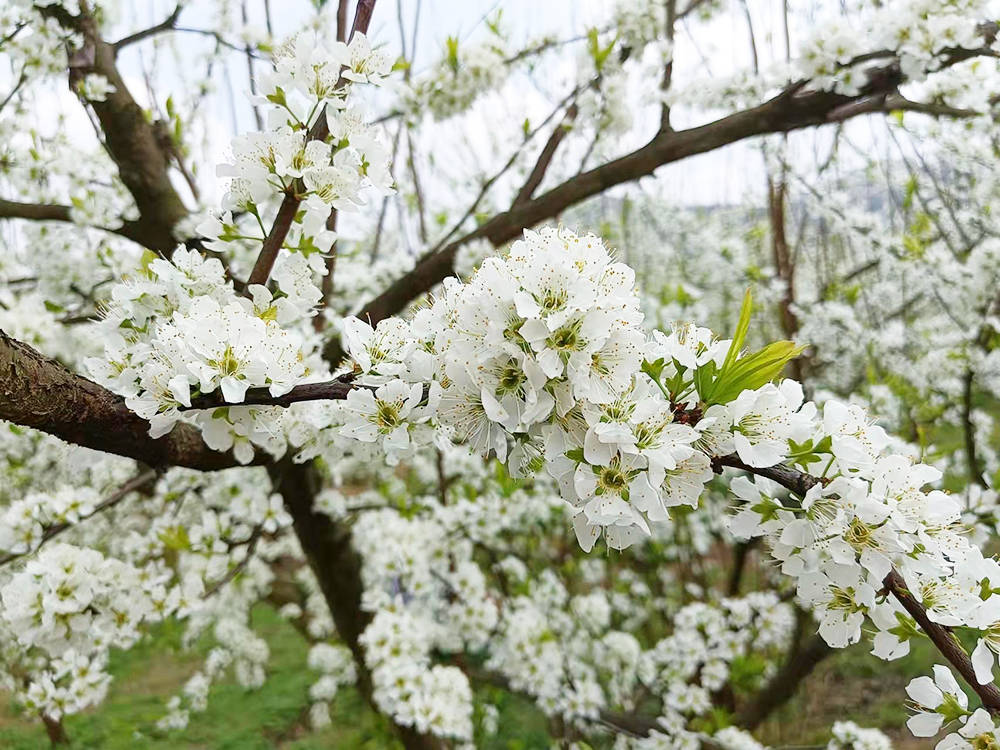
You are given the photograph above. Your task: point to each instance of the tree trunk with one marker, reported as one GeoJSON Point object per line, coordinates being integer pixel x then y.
{"type": "Point", "coordinates": [337, 566]}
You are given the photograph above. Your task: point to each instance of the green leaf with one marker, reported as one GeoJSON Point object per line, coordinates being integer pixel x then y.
{"type": "Point", "coordinates": [278, 97]}
{"type": "Point", "coordinates": [654, 369]}
{"type": "Point", "coordinates": [451, 52]}
{"type": "Point", "coordinates": [597, 52]}
{"type": "Point", "coordinates": [175, 538]}
{"type": "Point", "coordinates": [742, 327]}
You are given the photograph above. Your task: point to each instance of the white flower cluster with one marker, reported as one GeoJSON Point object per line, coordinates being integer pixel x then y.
{"type": "Point", "coordinates": [457, 80]}
{"type": "Point", "coordinates": [432, 699]}
{"type": "Point", "coordinates": [849, 736]}
{"type": "Point", "coordinates": [333, 172]}
{"type": "Point", "coordinates": [69, 605]}
{"type": "Point", "coordinates": [695, 660]}
{"type": "Point", "coordinates": [866, 515]}
{"type": "Point", "coordinates": [179, 329]}
{"type": "Point", "coordinates": [238, 648]}
{"type": "Point", "coordinates": [542, 347]}
{"type": "Point", "coordinates": [23, 522]}
{"type": "Point", "coordinates": [336, 667]}
{"type": "Point", "coordinates": [919, 33]}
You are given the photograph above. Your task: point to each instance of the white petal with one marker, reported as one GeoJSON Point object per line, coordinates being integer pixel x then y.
{"type": "Point", "coordinates": [924, 725]}
{"type": "Point", "coordinates": [982, 662]}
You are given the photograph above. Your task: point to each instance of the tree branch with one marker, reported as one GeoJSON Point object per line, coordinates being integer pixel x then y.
{"type": "Point", "coordinates": [330, 390]}
{"type": "Point", "coordinates": [131, 140]}
{"type": "Point", "coordinates": [38, 392]}
{"type": "Point", "coordinates": [133, 230]}
{"type": "Point", "coordinates": [251, 545]}
{"type": "Point", "coordinates": [166, 24]}
{"type": "Point", "coordinates": [794, 108]}
{"type": "Point", "coordinates": [545, 157]}
{"type": "Point", "coordinates": [34, 211]}
{"type": "Point", "coordinates": [940, 635]}
{"type": "Point", "coordinates": [135, 483]}
{"type": "Point", "coordinates": [290, 203]}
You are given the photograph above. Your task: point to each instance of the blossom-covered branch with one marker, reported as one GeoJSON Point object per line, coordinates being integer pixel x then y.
{"type": "Point", "coordinates": [318, 131]}
{"type": "Point", "coordinates": [38, 392]}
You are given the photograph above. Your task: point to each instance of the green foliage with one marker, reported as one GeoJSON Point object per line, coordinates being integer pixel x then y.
{"type": "Point", "coordinates": [720, 385]}
{"type": "Point", "coordinates": [803, 454]}
{"type": "Point", "coordinates": [599, 53]}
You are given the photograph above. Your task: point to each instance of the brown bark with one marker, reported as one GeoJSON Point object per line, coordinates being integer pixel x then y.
{"type": "Point", "coordinates": [132, 230]}
{"type": "Point", "coordinates": [131, 140]}
{"type": "Point", "coordinates": [55, 730]}
{"type": "Point", "coordinates": [782, 256]}
{"type": "Point", "coordinates": [38, 392]}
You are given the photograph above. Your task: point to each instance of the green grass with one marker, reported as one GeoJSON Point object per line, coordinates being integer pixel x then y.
{"type": "Point", "coordinates": [273, 716]}
{"type": "Point", "coordinates": [853, 685]}
{"type": "Point", "coordinates": [147, 675]}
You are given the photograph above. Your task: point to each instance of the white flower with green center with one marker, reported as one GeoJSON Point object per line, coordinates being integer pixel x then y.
{"type": "Point", "coordinates": [687, 344]}
{"type": "Point", "coordinates": [227, 346]}
{"type": "Point", "coordinates": [683, 484]}
{"type": "Point", "coordinates": [936, 702]}
{"type": "Point", "coordinates": [579, 336]}
{"type": "Point", "coordinates": [518, 385]}
{"type": "Point", "coordinates": [857, 442]}
{"type": "Point", "coordinates": [765, 419]}
{"type": "Point", "coordinates": [381, 350]}
{"type": "Point", "coordinates": [605, 491]}
{"type": "Point", "coordinates": [475, 415]}
{"type": "Point", "coordinates": [602, 374]}
{"type": "Point", "coordinates": [839, 597]}
{"type": "Point", "coordinates": [979, 732]}
{"type": "Point", "coordinates": [383, 415]}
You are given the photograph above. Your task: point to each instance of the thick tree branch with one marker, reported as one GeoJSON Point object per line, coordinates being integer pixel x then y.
{"type": "Point", "coordinates": [133, 230]}
{"type": "Point", "coordinates": [38, 392]}
{"type": "Point", "coordinates": [131, 139]}
{"type": "Point", "coordinates": [34, 211]}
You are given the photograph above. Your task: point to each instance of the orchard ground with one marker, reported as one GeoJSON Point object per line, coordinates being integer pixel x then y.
{"type": "Point", "coordinates": [849, 685]}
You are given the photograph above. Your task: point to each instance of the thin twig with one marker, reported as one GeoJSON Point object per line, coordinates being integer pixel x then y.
{"type": "Point", "coordinates": [137, 482]}
{"type": "Point", "coordinates": [251, 544]}
{"type": "Point", "coordinates": [167, 24]}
